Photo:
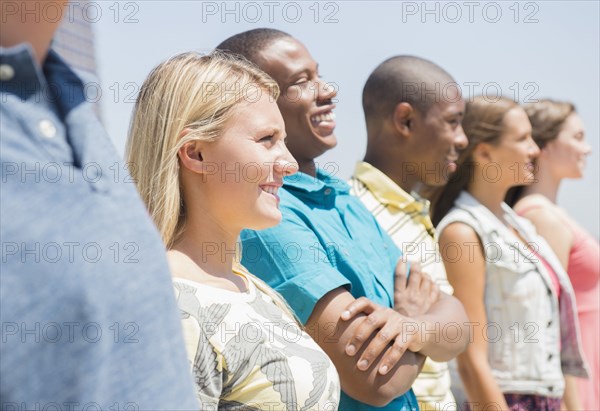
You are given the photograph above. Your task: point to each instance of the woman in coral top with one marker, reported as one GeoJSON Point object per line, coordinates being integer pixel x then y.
{"type": "Point", "coordinates": [559, 132]}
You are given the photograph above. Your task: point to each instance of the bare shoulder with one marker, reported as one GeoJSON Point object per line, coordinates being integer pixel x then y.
{"type": "Point", "coordinates": [458, 231]}
{"type": "Point", "coordinates": [532, 202]}
{"type": "Point", "coordinates": [541, 211]}
{"type": "Point", "coordinates": [182, 266]}
{"type": "Point", "coordinates": [176, 262]}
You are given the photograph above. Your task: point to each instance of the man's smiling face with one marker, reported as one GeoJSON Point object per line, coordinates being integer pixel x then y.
{"type": "Point", "coordinates": [305, 101]}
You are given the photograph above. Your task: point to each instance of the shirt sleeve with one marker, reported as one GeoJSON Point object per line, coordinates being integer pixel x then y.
{"type": "Point", "coordinates": [292, 260]}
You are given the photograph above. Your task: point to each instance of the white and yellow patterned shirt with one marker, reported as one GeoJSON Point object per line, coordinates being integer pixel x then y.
{"type": "Point", "coordinates": [246, 353]}
{"type": "Point", "coordinates": [406, 220]}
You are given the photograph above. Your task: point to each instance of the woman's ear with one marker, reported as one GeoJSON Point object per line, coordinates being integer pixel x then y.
{"type": "Point", "coordinates": [547, 150]}
{"type": "Point", "coordinates": [402, 119]}
{"type": "Point", "coordinates": [190, 155]}
{"type": "Point", "coordinates": [482, 153]}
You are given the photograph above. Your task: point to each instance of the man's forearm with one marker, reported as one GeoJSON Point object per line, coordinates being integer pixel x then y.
{"type": "Point", "coordinates": [443, 329]}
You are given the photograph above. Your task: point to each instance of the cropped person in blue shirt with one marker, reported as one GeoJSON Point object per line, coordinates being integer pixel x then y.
{"type": "Point", "coordinates": [89, 319]}
{"type": "Point", "coordinates": [329, 250]}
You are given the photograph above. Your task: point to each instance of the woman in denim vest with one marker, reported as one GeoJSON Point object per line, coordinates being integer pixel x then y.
{"type": "Point", "coordinates": [519, 300]}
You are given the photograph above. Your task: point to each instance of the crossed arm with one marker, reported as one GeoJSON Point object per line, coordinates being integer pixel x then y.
{"type": "Point", "coordinates": [333, 335]}
{"type": "Point", "coordinates": [377, 350]}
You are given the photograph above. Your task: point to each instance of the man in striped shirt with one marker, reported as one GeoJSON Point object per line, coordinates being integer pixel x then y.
{"type": "Point", "coordinates": [413, 110]}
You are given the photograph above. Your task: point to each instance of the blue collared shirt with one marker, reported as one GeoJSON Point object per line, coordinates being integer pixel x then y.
{"type": "Point", "coordinates": [89, 318]}
{"type": "Point", "coordinates": [326, 240]}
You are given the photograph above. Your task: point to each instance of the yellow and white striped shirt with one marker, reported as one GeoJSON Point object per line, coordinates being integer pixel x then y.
{"type": "Point", "coordinates": [406, 220]}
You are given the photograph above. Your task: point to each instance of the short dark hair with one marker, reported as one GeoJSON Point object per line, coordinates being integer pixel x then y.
{"type": "Point", "coordinates": [250, 43]}
{"type": "Point", "coordinates": [409, 79]}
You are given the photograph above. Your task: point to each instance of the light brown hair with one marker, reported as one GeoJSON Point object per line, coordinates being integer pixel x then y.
{"type": "Point", "coordinates": [483, 123]}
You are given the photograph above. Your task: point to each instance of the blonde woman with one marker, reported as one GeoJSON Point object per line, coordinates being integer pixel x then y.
{"type": "Point", "coordinates": [207, 151]}
{"type": "Point", "coordinates": [560, 134]}
{"type": "Point", "coordinates": [525, 334]}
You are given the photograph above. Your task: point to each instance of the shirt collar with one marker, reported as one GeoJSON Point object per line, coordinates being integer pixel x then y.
{"type": "Point", "coordinates": [21, 74]}
{"type": "Point", "coordinates": [322, 181]}
{"type": "Point", "coordinates": [385, 190]}
{"type": "Point", "coordinates": [23, 77]}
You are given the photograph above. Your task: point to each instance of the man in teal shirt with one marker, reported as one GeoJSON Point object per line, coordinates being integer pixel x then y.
{"type": "Point", "coordinates": [328, 250]}
{"type": "Point", "coordinates": [327, 240]}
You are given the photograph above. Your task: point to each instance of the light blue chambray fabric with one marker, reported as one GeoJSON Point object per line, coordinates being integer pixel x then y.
{"type": "Point", "coordinates": [89, 319]}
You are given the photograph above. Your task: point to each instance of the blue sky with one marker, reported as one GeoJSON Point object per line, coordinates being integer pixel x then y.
{"type": "Point", "coordinates": [525, 50]}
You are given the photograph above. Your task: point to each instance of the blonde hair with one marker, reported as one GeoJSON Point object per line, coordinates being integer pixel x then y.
{"type": "Point", "coordinates": [187, 92]}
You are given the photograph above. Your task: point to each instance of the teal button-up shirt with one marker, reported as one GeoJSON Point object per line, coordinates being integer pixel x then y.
{"type": "Point", "coordinates": [327, 239]}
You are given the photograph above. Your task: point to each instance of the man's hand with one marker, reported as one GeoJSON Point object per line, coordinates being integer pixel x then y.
{"type": "Point", "coordinates": [415, 296]}
{"type": "Point", "coordinates": [393, 333]}
{"type": "Point", "coordinates": [334, 334]}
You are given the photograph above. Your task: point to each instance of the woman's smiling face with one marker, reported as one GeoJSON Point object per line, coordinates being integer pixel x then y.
{"type": "Point", "coordinates": [244, 168]}
{"type": "Point", "coordinates": [567, 153]}
{"type": "Point", "coordinates": [515, 154]}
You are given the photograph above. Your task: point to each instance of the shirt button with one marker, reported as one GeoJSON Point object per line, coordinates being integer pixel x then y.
{"type": "Point", "coordinates": [549, 323]}
{"type": "Point", "coordinates": [327, 191]}
{"type": "Point", "coordinates": [6, 72]}
{"type": "Point", "coordinates": [47, 128]}
{"type": "Point", "coordinates": [550, 357]}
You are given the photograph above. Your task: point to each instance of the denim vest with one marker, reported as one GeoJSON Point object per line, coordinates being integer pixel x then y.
{"type": "Point", "coordinates": [533, 338]}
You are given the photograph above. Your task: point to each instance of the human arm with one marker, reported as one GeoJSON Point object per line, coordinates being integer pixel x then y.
{"type": "Point", "coordinates": [392, 334]}
{"type": "Point", "coordinates": [467, 276]}
{"type": "Point", "coordinates": [414, 291]}
{"type": "Point", "coordinates": [435, 311]}
{"type": "Point", "coordinates": [333, 335]}
{"type": "Point", "coordinates": [413, 330]}
{"type": "Point", "coordinates": [570, 399]}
